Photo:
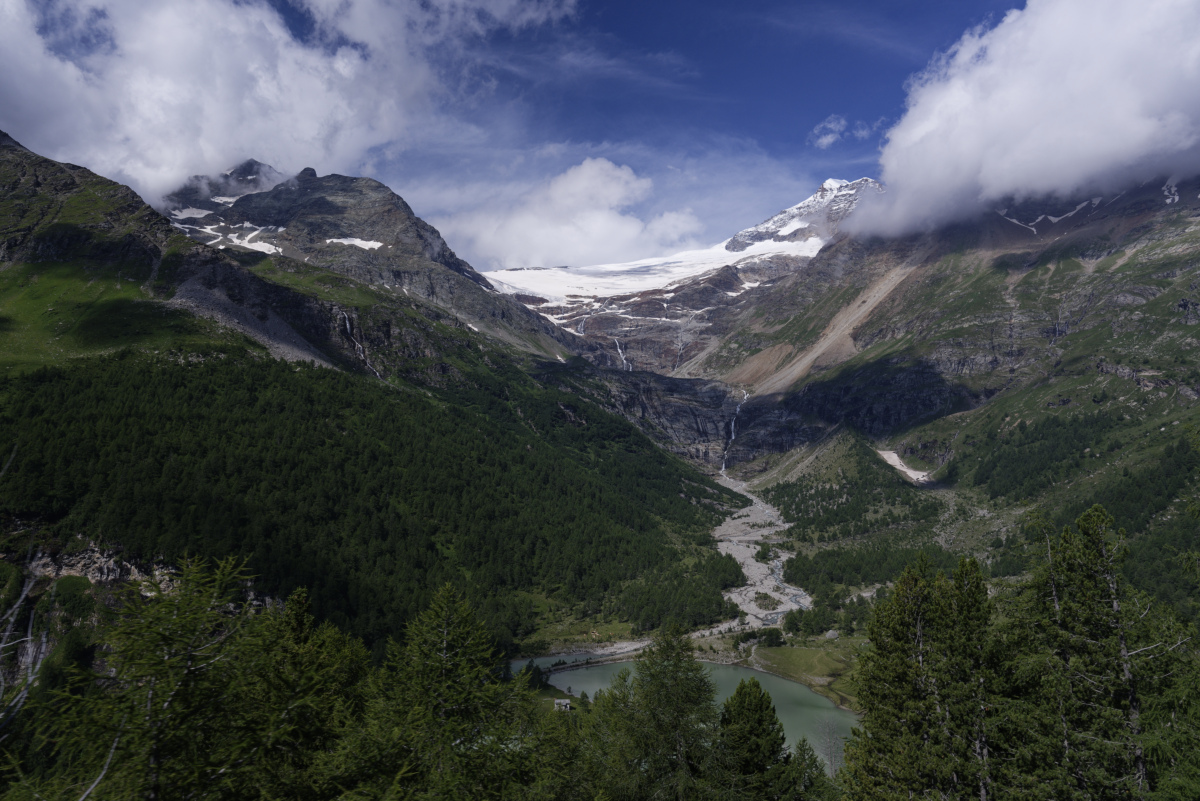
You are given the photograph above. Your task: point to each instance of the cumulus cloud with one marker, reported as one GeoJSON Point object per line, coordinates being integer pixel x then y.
{"type": "Point", "coordinates": [724, 183]}
{"type": "Point", "coordinates": [1061, 97]}
{"type": "Point", "coordinates": [581, 216]}
{"type": "Point", "coordinates": [148, 93]}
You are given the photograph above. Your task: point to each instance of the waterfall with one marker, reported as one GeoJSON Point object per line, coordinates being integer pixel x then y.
{"type": "Point", "coordinates": [358, 346]}
{"type": "Point", "coordinates": [624, 364]}
{"type": "Point", "coordinates": [733, 429]}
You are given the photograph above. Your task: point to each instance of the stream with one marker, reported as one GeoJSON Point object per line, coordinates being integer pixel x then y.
{"type": "Point", "coordinates": [739, 536]}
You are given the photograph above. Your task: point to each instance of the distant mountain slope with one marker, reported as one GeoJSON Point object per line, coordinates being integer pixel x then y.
{"type": "Point", "coordinates": [358, 228]}
{"type": "Point", "coordinates": [665, 314]}
{"type": "Point", "coordinates": [96, 268]}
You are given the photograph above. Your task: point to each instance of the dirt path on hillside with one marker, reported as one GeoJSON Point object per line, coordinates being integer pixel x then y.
{"type": "Point", "coordinates": [835, 342]}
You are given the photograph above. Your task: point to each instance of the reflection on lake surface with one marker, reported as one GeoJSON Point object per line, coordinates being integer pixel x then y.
{"type": "Point", "coordinates": [800, 710]}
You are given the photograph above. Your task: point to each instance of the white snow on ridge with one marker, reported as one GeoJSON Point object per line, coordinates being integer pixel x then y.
{"type": "Point", "coordinates": [834, 200]}
{"type": "Point", "coordinates": [818, 215]}
{"type": "Point", "coordinates": [1018, 222]}
{"type": "Point", "coordinates": [557, 283]}
{"type": "Point", "coordinates": [793, 226]}
{"type": "Point", "coordinates": [263, 247]}
{"type": "Point", "coordinates": [1069, 213]}
{"type": "Point", "coordinates": [358, 243]}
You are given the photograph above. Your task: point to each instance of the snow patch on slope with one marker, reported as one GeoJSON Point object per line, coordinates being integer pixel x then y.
{"type": "Point", "coordinates": [365, 244]}
{"type": "Point", "coordinates": [185, 214]}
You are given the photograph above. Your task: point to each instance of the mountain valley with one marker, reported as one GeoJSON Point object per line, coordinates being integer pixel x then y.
{"type": "Point", "coordinates": [770, 355]}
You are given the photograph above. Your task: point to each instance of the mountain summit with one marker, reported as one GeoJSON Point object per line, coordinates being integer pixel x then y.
{"type": "Point", "coordinates": [779, 245]}
{"type": "Point", "coordinates": [212, 193]}
{"type": "Point", "coordinates": [818, 216]}
{"type": "Point", "coordinates": [354, 227]}
{"type": "Point", "coordinates": [675, 308]}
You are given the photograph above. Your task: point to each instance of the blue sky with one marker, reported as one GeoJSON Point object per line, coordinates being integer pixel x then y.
{"type": "Point", "coordinates": [543, 132]}
{"type": "Point", "coordinates": [736, 91]}
{"type": "Point", "coordinates": [767, 72]}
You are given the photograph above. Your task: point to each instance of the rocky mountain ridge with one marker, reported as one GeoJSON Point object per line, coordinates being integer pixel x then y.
{"type": "Point", "coordinates": [883, 335]}
{"type": "Point", "coordinates": [358, 228]}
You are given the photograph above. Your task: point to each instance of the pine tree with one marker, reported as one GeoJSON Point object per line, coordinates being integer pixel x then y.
{"type": "Point", "coordinates": [752, 736]}
{"type": "Point", "coordinates": [440, 723]}
{"type": "Point", "coordinates": [926, 691]}
{"type": "Point", "coordinates": [170, 715]}
{"type": "Point", "coordinates": [318, 674]}
{"type": "Point", "coordinates": [802, 777]}
{"type": "Point", "coordinates": [1088, 657]}
{"type": "Point", "coordinates": [653, 733]}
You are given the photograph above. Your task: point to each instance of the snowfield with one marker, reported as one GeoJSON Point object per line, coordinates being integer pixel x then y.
{"type": "Point", "coordinates": [603, 280]}
{"type": "Point", "coordinates": [818, 216]}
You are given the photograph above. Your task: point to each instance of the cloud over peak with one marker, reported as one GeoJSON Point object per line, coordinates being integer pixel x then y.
{"type": "Point", "coordinates": [148, 93]}
{"type": "Point", "coordinates": [1060, 97]}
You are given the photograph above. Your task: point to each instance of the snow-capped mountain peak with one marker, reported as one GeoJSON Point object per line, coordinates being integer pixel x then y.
{"type": "Point", "coordinates": [792, 235]}
{"type": "Point", "coordinates": [817, 216]}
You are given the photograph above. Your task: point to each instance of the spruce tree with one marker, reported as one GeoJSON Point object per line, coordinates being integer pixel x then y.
{"type": "Point", "coordinates": [752, 736]}
{"type": "Point", "coordinates": [926, 692]}
{"type": "Point", "coordinates": [1101, 706]}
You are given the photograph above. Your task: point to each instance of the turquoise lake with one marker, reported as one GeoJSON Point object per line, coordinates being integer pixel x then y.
{"type": "Point", "coordinates": [801, 711]}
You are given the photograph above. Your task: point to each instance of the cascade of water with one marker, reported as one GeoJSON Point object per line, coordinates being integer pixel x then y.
{"type": "Point", "coordinates": [733, 429]}
{"type": "Point", "coordinates": [358, 346]}
{"type": "Point", "coordinates": [624, 364]}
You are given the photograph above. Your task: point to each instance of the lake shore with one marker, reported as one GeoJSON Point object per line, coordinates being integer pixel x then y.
{"type": "Point", "coordinates": [823, 666]}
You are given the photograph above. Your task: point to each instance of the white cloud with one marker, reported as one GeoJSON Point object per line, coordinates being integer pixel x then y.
{"type": "Point", "coordinates": [148, 93]}
{"type": "Point", "coordinates": [828, 132]}
{"type": "Point", "coordinates": [1061, 97]}
{"type": "Point", "coordinates": [581, 216]}
{"type": "Point", "coordinates": [862, 130]}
